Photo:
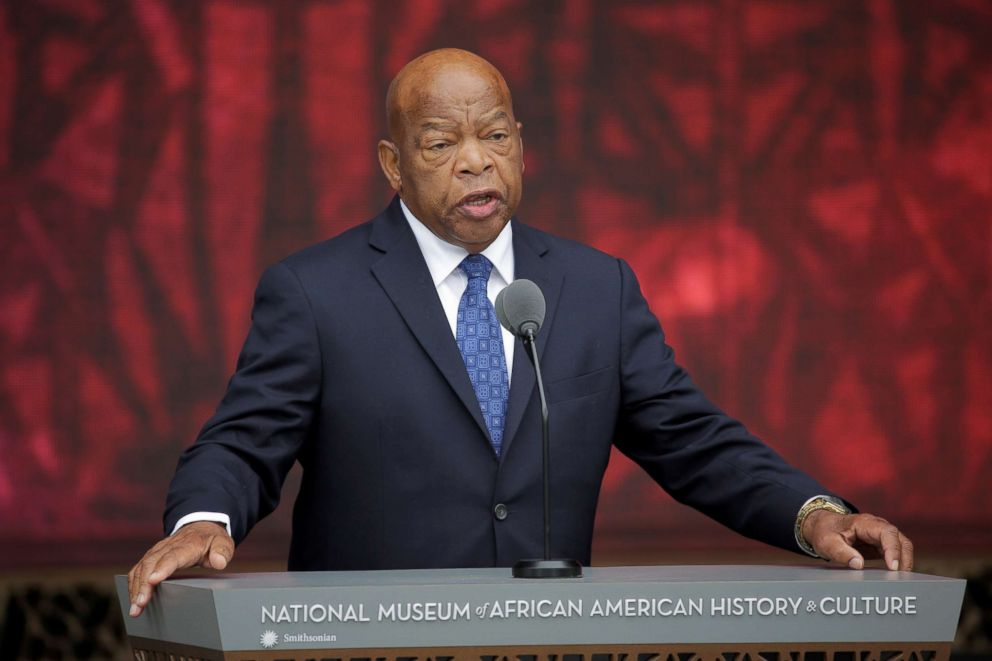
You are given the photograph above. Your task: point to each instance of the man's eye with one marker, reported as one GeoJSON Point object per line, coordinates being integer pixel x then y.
{"type": "Point", "coordinates": [437, 146]}
{"type": "Point", "coordinates": [499, 135]}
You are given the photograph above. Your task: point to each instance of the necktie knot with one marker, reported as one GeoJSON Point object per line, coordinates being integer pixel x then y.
{"type": "Point", "coordinates": [476, 267]}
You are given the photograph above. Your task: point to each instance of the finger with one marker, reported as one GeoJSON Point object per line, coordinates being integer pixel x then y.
{"type": "Point", "coordinates": [131, 590]}
{"type": "Point", "coordinates": [134, 589]}
{"type": "Point", "coordinates": [136, 579]}
{"type": "Point", "coordinates": [156, 567]}
{"type": "Point", "coordinates": [138, 589]}
{"type": "Point", "coordinates": [906, 558]}
{"type": "Point", "coordinates": [130, 584]}
{"type": "Point", "coordinates": [891, 547]}
{"type": "Point", "coordinates": [834, 547]}
{"type": "Point", "coordinates": [220, 553]}
{"type": "Point", "coordinates": [878, 535]}
{"type": "Point", "coordinates": [144, 565]}
{"type": "Point", "coordinates": [138, 572]}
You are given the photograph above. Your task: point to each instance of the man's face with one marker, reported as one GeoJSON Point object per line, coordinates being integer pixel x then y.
{"type": "Point", "coordinates": [459, 164]}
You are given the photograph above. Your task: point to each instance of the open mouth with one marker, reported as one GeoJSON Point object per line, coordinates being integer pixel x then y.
{"type": "Point", "coordinates": [479, 205]}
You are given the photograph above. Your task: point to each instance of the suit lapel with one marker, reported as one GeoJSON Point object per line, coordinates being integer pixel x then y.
{"type": "Point", "coordinates": [403, 274]}
{"type": "Point", "coordinates": [529, 253]}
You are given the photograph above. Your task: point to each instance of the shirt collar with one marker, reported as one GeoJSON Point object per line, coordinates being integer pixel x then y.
{"type": "Point", "coordinates": [442, 257]}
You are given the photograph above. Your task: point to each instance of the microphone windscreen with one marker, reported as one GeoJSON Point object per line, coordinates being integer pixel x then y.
{"type": "Point", "coordinates": [521, 307]}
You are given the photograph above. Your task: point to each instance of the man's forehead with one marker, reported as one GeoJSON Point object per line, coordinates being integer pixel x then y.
{"type": "Point", "coordinates": [445, 85]}
{"type": "Point", "coordinates": [455, 89]}
{"type": "Point", "coordinates": [444, 108]}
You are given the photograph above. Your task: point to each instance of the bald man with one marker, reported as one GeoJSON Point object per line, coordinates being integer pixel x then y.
{"type": "Point", "coordinates": [374, 360]}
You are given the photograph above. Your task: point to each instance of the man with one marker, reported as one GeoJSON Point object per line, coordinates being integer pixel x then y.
{"type": "Point", "coordinates": [370, 362]}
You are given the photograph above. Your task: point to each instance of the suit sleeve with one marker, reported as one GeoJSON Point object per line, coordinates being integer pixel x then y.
{"type": "Point", "coordinates": [240, 459]}
{"type": "Point", "coordinates": [697, 453]}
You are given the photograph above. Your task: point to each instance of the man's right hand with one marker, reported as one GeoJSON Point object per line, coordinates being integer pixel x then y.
{"type": "Point", "coordinates": [202, 543]}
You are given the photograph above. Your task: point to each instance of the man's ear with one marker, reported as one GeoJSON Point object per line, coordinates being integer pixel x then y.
{"type": "Point", "coordinates": [389, 161]}
{"type": "Point", "coordinates": [520, 134]}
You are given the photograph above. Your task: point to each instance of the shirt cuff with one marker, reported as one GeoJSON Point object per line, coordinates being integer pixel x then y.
{"type": "Point", "coordinates": [216, 517]}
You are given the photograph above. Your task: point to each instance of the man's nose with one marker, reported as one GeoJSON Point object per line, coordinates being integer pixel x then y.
{"type": "Point", "coordinates": [473, 158]}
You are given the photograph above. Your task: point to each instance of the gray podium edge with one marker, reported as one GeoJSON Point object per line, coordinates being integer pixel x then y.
{"type": "Point", "coordinates": [219, 612]}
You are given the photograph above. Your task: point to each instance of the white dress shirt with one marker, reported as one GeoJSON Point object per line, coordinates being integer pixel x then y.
{"type": "Point", "coordinates": [450, 281]}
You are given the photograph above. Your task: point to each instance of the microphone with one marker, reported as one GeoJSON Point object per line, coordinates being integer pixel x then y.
{"type": "Point", "coordinates": [520, 308]}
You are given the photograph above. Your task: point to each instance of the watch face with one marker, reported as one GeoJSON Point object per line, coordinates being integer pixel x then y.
{"type": "Point", "coordinates": [838, 502]}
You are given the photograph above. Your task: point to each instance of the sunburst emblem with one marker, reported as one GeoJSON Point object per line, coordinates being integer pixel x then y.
{"type": "Point", "coordinates": [269, 639]}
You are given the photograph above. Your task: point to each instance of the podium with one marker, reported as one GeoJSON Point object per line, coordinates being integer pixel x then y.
{"type": "Point", "coordinates": [668, 613]}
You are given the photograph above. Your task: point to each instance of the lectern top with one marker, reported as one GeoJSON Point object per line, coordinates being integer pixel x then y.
{"type": "Point", "coordinates": [592, 575]}
{"type": "Point", "coordinates": [609, 606]}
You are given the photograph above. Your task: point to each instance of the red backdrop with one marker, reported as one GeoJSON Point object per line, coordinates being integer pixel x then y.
{"type": "Point", "coordinates": [804, 189]}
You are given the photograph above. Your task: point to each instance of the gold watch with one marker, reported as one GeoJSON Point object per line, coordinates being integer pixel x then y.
{"type": "Point", "coordinates": [815, 503]}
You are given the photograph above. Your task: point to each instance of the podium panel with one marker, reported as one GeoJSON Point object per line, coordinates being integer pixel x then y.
{"type": "Point", "coordinates": [677, 613]}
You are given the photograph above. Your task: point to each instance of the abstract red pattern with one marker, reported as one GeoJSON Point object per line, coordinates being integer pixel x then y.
{"type": "Point", "coordinates": [804, 189]}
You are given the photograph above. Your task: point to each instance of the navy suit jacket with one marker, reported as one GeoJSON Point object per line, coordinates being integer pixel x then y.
{"type": "Point", "coordinates": [350, 368]}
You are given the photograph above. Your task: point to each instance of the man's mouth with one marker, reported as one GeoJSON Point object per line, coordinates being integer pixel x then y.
{"type": "Point", "coordinates": [479, 205]}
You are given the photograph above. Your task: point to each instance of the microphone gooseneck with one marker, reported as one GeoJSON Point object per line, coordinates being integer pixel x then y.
{"type": "Point", "coordinates": [521, 308]}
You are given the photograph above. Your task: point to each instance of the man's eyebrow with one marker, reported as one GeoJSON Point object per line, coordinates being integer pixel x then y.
{"type": "Point", "coordinates": [497, 115]}
{"type": "Point", "coordinates": [448, 125]}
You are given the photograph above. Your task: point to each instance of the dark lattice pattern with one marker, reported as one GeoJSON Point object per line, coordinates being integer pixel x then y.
{"type": "Point", "coordinates": [47, 622]}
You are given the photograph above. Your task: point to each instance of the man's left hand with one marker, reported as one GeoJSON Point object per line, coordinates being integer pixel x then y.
{"type": "Point", "coordinates": [850, 538]}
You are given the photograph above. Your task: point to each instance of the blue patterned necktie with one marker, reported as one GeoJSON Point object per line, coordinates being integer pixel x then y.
{"type": "Point", "coordinates": [481, 343]}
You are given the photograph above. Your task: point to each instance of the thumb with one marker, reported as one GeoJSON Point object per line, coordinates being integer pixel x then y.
{"type": "Point", "coordinates": [220, 553]}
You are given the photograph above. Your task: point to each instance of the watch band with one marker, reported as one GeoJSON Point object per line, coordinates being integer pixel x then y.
{"type": "Point", "coordinates": [815, 503]}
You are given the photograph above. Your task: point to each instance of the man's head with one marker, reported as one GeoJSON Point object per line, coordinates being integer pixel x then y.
{"type": "Point", "coordinates": [454, 152]}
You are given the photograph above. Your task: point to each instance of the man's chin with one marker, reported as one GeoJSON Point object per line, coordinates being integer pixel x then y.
{"type": "Point", "coordinates": [476, 234]}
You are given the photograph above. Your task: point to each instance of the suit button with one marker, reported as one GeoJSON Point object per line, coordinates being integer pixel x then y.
{"type": "Point", "coordinates": [500, 511]}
